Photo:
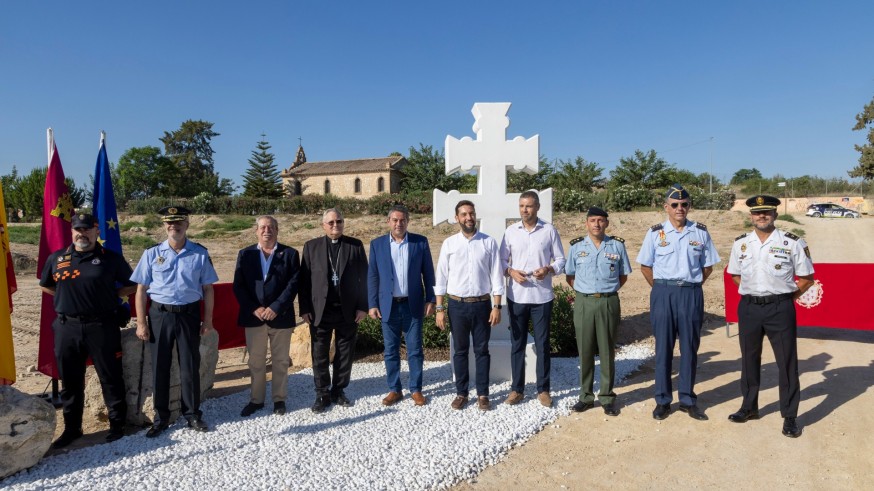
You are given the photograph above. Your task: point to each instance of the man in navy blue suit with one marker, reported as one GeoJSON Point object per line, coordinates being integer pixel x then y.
{"type": "Point", "coordinates": [265, 284]}
{"type": "Point", "coordinates": [400, 284]}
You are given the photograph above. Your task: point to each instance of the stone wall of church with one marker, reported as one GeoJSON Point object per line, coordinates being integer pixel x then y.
{"type": "Point", "coordinates": [343, 185]}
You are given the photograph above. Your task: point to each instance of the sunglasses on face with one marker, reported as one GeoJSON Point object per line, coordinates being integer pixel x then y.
{"type": "Point", "coordinates": [684, 204]}
{"type": "Point", "coordinates": [334, 222]}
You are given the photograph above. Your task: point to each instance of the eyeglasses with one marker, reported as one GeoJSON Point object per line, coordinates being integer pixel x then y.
{"type": "Point", "coordinates": [334, 222]}
{"type": "Point", "coordinates": [684, 204]}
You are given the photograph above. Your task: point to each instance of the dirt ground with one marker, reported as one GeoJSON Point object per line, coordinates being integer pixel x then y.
{"type": "Point", "coordinates": [591, 450]}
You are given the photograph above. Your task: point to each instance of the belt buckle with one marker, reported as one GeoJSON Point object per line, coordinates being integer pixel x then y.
{"type": "Point", "coordinates": [680, 282]}
{"type": "Point", "coordinates": [596, 295]}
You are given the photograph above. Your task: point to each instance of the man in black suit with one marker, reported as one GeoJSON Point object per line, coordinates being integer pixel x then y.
{"type": "Point", "coordinates": [265, 284]}
{"type": "Point", "coordinates": [333, 299]}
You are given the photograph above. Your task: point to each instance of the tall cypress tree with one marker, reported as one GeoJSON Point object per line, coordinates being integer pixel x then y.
{"type": "Point", "coordinates": [262, 179]}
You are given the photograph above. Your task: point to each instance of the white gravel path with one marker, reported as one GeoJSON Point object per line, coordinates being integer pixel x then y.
{"type": "Point", "coordinates": [367, 446]}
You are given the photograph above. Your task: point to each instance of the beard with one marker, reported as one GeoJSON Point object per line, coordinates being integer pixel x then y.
{"type": "Point", "coordinates": [468, 230]}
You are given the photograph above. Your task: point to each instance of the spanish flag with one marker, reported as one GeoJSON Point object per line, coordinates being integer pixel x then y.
{"type": "Point", "coordinates": [7, 288]}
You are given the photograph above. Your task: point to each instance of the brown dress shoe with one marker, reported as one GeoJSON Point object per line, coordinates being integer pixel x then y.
{"type": "Point", "coordinates": [514, 398]}
{"type": "Point", "coordinates": [459, 402]}
{"type": "Point", "coordinates": [482, 402]}
{"type": "Point", "coordinates": [418, 398]}
{"type": "Point", "coordinates": [392, 398]}
{"type": "Point", "coordinates": [545, 399]}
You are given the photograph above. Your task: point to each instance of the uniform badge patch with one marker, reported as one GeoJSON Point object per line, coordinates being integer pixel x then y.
{"type": "Point", "coordinates": [95, 261]}
{"type": "Point", "coordinates": [812, 297]}
{"type": "Point", "coordinates": [785, 242]}
{"type": "Point", "coordinates": [743, 248]}
{"type": "Point", "coordinates": [582, 254]}
{"type": "Point", "coordinates": [159, 259]}
{"type": "Point", "coordinates": [662, 241]}
{"type": "Point", "coordinates": [778, 266]}
{"type": "Point", "coordinates": [807, 252]}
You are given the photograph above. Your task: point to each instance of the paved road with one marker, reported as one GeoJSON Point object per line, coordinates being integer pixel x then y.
{"type": "Point", "coordinates": [838, 240]}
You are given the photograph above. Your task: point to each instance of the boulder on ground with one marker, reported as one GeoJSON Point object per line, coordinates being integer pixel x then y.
{"type": "Point", "coordinates": [28, 426]}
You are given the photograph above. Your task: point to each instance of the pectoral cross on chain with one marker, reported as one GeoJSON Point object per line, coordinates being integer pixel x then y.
{"type": "Point", "coordinates": [335, 278]}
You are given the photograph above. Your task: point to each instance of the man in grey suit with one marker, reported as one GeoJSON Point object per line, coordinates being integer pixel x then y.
{"type": "Point", "coordinates": [333, 299]}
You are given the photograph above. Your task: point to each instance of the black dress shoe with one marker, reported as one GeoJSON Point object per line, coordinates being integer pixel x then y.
{"type": "Point", "coordinates": [322, 403]}
{"type": "Point", "coordinates": [250, 409]}
{"type": "Point", "coordinates": [156, 430]}
{"type": "Point", "coordinates": [790, 428]}
{"type": "Point", "coordinates": [279, 408]}
{"type": "Point", "coordinates": [197, 424]}
{"type": "Point", "coordinates": [610, 409]}
{"type": "Point", "coordinates": [67, 437]}
{"type": "Point", "coordinates": [581, 406]}
{"type": "Point", "coordinates": [340, 399]}
{"type": "Point", "coordinates": [661, 411]}
{"type": "Point", "coordinates": [694, 412]}
{"type": "Point", "coordinates": [743, 415]}
{"type": "Point", "coordinates": [116, 432]}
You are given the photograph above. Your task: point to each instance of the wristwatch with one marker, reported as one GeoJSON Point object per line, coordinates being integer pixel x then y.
{"type": "Point", "coordinates": [499, 306]}
{"type": "Point", "coordinates": [440, 308]}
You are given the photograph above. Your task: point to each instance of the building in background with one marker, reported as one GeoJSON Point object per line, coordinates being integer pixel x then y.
{"type": "Point", "coordinates": [359, 178]}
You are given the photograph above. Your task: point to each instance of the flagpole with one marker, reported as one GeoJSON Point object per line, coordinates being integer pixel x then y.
{"type": "Point", "coordinates": [50, 143]}
{"type": "Point", "coordinates": [102, 138]}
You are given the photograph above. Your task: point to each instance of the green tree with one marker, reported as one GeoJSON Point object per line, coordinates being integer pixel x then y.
{"type": "Point", "coordinates": [744, 175]}
{"type": "Point", "coordinates": [518, 182]}
{"type": "Point", "coordinates": [262, 179]}
{"type": "Point", "coordinates": [190, 150]}
{"type": "Point", "coordinates": [645, 170]}
{"type": "Point", "coordinates": [577, 175]}
{"type": "Point", "coordinates": [143, 172]}
{"type": "Point", "coordinates": [26, 193]}
{"type": "Point", "coordinates": [865, 120]}
{"type": "Point", "coordinates": [426, 170]}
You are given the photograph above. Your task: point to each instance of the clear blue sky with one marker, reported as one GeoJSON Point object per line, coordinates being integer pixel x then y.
{"type": "Point", "coordinates": [777, 84]}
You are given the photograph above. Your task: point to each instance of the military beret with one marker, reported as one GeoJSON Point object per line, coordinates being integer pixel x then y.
{"type": "Point", "coordinates": [677, 192]}
{"type": "Point", "coordinates": [762, 202]}
{"type": "Point", "coordinates": [84, 220]}
{"type": "Point", "coordinates": [174, 213]}
{"type": "Point", "coordinates": [596, 212]}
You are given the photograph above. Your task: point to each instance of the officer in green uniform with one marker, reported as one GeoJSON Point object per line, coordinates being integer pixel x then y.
{"type": "Point", "coordinates": [604, 266]}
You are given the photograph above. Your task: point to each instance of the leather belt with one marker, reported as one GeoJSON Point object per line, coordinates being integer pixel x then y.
{"type": "Point", "coordinates": [85, 318]}
{"type": "Point", "coordinates": [680, 283]}
{"type": "Point", "coordinates": [766, 299]}
{"type": "Point", "coordinates": [177, 309]}
{"type": "Point", "coordinates": [599, 295]}
{"type": "Point", "coordinates": [400, 299]}
{"type": "Point", "coordinates": [481, 298]}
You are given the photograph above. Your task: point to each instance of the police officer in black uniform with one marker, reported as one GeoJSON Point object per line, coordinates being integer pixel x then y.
{"type": "Point", "coordinates": [84, 279]}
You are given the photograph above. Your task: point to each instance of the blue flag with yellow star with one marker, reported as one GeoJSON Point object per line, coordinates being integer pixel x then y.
{"type": "Point", "coordinates": [104, 202]}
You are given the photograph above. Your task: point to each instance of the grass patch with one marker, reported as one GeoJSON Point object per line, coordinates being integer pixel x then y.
{"type": "Point", "coordinates": [788, 218]}
{"type": "Point", "coordinates": [229, 224]}
{"type": "Point", "coordinates": [137, 241]}
{"type": "Point", "coordinates": [798, 231]}
{"type": "Point", "coordinates": [23, 234]}
{"type": "Point", "coordinates": [207, 234]}
{"type": "Point", "coordinates": [148, 222]}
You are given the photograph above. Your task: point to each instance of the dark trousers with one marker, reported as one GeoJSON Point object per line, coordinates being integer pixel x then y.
{"type": "Point", "coordinates": [466, 321]}
{"type": "Point", "coordinates": [180, 329]}
{"type": "Point", "coordinates": [74, 342]}
{"type": "Point", "coordinates": [777, 320]}
{"type": "Point", "coordinates": [540, 315]}
{"type": "Point", "coordinates": [676, 313]}
{"type": "Point", "coordinates": [344, 348]}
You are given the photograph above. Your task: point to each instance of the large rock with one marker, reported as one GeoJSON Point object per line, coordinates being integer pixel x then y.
{"type": "Point", "coordinates": [27, 426]}
{"type": "Point", "coordinates": [301, 347]}
{"type": "Point", "coordinates": [137, 367]}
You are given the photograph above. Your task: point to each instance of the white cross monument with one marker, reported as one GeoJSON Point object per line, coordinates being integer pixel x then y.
{"type": "Point", "coordinates": [491, 154]}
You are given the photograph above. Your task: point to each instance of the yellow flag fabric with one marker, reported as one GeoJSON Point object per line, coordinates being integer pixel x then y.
{"type": "Point", "coordinates": [7, 351]}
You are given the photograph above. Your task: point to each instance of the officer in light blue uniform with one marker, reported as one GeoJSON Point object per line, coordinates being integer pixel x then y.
{"type": "Point", "coordinates": [676, 257]}
{"type": "Point", "coordinates": [176, 274]}
{"type": "Point", "coordinates": [597, 266]}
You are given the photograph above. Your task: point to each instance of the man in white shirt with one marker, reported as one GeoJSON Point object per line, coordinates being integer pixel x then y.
{"type": "Point", "coordinates": [469, 273]}
{"type": "Point", "coordinates": [531, 252]}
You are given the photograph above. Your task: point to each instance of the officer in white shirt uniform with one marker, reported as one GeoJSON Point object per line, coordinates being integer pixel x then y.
{"type": "Point", "coordinates": [764, 264]}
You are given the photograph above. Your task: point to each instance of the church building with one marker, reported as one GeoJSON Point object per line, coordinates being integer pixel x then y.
{"type": "Point", "coordinates": [360, 178]}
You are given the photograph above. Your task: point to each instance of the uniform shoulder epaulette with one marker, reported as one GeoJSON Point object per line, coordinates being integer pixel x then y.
{"type": "Point", "coordinates": [791, 235]}
{"type": "Point", "coordinates": [578, 239]}
{"type": "Point", "coordinates": [617, 238]}
{"type": "Point", "coordinates": [739, 237]}
{"type": "Point", "coordinates": [701, 226]}
{"type": "Point", "coordinates": [657, 226]}
{"type": "Point", "coordinates": [153, 246]}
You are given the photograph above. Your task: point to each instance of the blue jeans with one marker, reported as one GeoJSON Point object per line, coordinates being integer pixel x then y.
{"type": "Point", "coordinates": [540, 315]}
{"type": "Point", "coordinates": [401, 321]}
{"type": "Point", "coordinates": [470, 320]}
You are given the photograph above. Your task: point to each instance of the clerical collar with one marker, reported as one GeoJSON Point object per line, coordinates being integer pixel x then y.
{"type": "Point", "coordinates": [334, 241]}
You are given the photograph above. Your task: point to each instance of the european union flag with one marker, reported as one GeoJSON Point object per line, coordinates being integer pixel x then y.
{"type": "Point", "coordinates": [104, 201]}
